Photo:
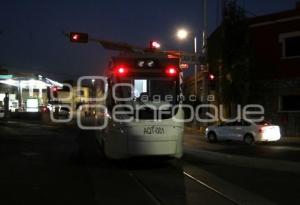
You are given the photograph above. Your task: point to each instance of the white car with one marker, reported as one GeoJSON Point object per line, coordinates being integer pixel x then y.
{"type": "Point", "coordinates": [247, 131]}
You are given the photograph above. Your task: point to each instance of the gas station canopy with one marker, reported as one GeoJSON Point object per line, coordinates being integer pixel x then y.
{"type": "Point", "coordinates": [29, 81]}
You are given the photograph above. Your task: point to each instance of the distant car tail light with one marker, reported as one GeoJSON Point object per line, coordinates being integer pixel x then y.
{"type": "Point", "coordinates": [171, 71]}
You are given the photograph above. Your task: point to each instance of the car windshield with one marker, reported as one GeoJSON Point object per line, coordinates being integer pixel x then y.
{"type": "Point", "coordinates": [151, 91]}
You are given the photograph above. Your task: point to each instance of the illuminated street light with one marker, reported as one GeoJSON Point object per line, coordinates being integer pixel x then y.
{"type": "Point", "coordinates": [182, 34]}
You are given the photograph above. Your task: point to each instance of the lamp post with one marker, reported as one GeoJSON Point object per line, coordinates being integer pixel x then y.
{"type": "Point", "coordinates": [181, 35]}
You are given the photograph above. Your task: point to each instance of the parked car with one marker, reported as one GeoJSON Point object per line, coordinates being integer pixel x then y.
{"type": "Point", "coordinates": [243, 130]}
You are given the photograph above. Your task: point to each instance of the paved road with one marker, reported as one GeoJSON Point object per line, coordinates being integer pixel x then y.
{"type": "Point", "coordinates": [289, 151]}
{"type": "Point", "coordinates": [49, 164]}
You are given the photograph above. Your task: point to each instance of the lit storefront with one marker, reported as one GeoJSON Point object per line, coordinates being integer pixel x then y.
{"type": "Point", "coordinates": [26, 91]}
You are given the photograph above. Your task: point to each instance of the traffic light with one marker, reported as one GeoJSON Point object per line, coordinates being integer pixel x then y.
{"type": "Point", "coordinates": [52, 92]}
{"type": "Point", "coordinates": [211, 77]}
{"type": "Point", "coordinates": [211, 81]}
{"type": "Point", "coordinates": [79, 37]}
{"type": "Point", "coordinates": [154, 45]}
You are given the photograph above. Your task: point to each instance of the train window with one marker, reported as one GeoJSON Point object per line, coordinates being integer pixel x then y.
{"type": "Point", "coordinates": [163, 87]}
{"type": "Point", "coordinates": [151, 90]}
{"type": "Point", "coordinates": [140, 86]}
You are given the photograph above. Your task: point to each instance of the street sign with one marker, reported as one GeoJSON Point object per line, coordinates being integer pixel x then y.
{"type": "Point", "coordinates": [4, 77]}
{"type": "Point", "coordinates": [189, 58]}
{"type": "Point", "coordinates": [184, 65]}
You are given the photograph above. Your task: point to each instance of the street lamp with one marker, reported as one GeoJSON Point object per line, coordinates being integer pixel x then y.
{"type": "Point", "coordinates": [181, 35]}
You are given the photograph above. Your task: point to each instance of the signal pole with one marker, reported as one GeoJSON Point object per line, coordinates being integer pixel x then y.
{"type": "Point", "coordinates": [204, 67]}
{"type": "Point", "coordinates": [195, 84]}
{"type": "Point", "coordinates": [204, 33]}
{"type": "Point", "coordinates": [204, 53]}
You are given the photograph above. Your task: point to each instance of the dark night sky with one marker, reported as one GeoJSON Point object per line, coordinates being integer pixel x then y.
{"type": "Point", "coordinates": [31, 38]}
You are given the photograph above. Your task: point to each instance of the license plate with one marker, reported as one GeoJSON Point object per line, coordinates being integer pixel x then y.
{"type": "Point", "coordinates": [150, 130]}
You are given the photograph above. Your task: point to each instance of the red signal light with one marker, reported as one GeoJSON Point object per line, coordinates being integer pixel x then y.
{"type": "Point", "coordinates": [154, 45]}
{"type": "Point", "coordinates": [211, 77]}
{"type": "Point", "coordinates": [121, 70]}
{"type": "Point", "coordinates": [75, 37]}
{"type": "Point", "coordinates": [211, 81]}
{"type": "Point", "coordinates": [79, 37]}
{"type": "Point", "coordinates": [54, 92]}
{"type": "Point", "coordinates": [171, 71]}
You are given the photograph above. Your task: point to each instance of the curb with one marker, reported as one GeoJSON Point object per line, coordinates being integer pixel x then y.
{"type": "Point", "coordinates": [241, 161]}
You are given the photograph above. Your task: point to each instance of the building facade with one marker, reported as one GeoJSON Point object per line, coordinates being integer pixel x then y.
{"type": "Point", "coordinates": [275, 40]}
{"type": "Point", "coordinates": [274, 65]}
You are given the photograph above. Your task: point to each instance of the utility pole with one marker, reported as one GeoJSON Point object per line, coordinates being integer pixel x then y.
{"type": "Point", "coordinates": [195, 67]}
{"type": "Point", "coordinates": [204, 33]}
{"type": "Point", "coordinates": [204, 53]}
{"type": "Point", "coordinates": [204, 66]}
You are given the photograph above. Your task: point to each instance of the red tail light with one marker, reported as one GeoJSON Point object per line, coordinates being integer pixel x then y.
{"type": "Point", "coordinates": [121, 70]}
{"type": "Point", "coordinates": [171, 71]}
{"type": "Point", "coordinates": [262, 130]}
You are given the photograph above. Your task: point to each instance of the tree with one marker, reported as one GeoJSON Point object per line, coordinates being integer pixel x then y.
{"type": "Point", "coordinates": [229, 56]}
